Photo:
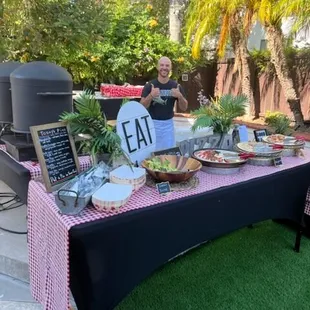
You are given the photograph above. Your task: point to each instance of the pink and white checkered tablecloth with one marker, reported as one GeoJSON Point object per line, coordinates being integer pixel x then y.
{"type": "Point", "coordinates": [35, 169]}
{"type": "Point", "coordinates": [48, 235]}
{"type": "Point", "coordinates": [307, 204]}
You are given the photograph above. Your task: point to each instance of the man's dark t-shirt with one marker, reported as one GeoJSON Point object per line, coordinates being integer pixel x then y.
{"type": "Point", "coordinates": [157, 110]}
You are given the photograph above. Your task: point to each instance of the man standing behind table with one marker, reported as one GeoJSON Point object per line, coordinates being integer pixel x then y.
{"type": "Point", "coordinates": [159, 97]}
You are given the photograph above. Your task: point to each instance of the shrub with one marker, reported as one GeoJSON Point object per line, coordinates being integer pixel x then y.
{"type": "Point", "coordinates": [279, 122]}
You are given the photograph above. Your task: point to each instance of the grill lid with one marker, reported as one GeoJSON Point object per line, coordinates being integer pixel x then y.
{"type": "Point", "coordinates": [6, 68]}
{"type": "Point", "coordinates": [41, 72]}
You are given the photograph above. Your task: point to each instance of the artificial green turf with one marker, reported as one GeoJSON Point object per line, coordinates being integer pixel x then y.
{"type": "Point", "coordinates": [248, 269]}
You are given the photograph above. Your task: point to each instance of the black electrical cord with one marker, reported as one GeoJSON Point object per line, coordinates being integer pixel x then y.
{"type": "Point", "coordinates": [3, 129]}
{"type": "Point", "coordinates": [9, 195]}
{"type": "Point", "coordinates": [16, 204]}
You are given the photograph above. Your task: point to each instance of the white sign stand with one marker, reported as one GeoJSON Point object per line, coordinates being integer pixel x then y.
{"type": "Point", "coordinates": [136, 129]}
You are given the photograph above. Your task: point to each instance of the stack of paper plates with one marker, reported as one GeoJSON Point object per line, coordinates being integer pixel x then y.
{"type": "Point", "coordinates": [128, 176]}
{"type": "Point", "coordinates": [110, 197]}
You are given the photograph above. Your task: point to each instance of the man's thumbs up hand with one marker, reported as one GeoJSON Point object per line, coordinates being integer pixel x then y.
{"type": "Point", "coordinates": [155, 92]}
{"type": "Point", "coordinates": [176, 92]}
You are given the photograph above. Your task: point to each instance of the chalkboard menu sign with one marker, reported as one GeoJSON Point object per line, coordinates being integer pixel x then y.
{"type": "Point", "coordinates": [56, 153]}
{"type": "Point", "coordinates": [163, 188]}
{"type": "Point", "coordinates": [278, 162]}
{"type": "Point", "coordinates": [171, 151]}
{"type": "Point", "coordinates": [259, 134]}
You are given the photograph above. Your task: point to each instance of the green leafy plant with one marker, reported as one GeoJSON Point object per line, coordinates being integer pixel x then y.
{"type": "Point", "coordinates": [279, 122]}
{"type": "Point", "coordinates": [220, 113]}
{"type": "Point", "coordinates": [90, 122]}
{"type": "Point", "coordinates": [110, 41]}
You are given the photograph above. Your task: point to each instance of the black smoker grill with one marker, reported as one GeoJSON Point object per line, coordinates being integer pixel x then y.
{"type": "Point", "coordinates": [41, 91]}
{"type": "Point", "coordinates": [6, 116]}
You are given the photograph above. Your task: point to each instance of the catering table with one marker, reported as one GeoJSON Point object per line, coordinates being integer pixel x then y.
{"type": "Point", "coordinates": [103, 256]}
{"type": "Point", "coordinates": [111, 105]}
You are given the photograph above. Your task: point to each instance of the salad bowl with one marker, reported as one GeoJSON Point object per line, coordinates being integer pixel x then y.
{"type": "Point", "coordinates": [171, 168]}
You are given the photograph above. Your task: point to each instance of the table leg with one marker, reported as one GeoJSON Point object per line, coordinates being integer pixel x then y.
{"type": "Point", "coordinates": [298, 239]}
{"type": "Point", "coordinates": [299, 235]}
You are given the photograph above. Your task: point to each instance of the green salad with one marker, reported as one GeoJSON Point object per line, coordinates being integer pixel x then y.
{"type": "Point", "coordinates": [156, 164]}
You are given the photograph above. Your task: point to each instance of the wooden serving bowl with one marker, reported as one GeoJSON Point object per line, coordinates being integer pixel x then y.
{"type": "Point", "coordinates": [188, 167]}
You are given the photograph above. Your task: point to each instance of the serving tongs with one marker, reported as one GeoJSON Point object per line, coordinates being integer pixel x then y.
{"type": "Point", "coordinates": [300, 138]}
{"type": "Point", "coordinates": [277, 147]}
{"type": "Point", "coordinates": [243, 156]}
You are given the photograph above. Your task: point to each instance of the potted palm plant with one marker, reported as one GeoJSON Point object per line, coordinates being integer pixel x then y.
{"type": "Point", "coordinates": [89, 123]}
{"type": "Point", "coordinates": [219, 113]}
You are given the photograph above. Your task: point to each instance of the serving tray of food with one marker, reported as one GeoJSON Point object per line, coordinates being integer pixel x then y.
{"type": "Point", "coordinates": [219, 158]}
{"type": "Point", "coordinates": [286, 141]}
{"type": "Point", "coordinates": [219, 161]}
{"type": "Point", "coordinates": [259, 149]}
{"type": "Point", "coordinates": [263, 153]}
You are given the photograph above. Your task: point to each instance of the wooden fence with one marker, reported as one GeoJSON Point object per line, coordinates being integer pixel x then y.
{"type": "Point", "coordinates": [268, 94]}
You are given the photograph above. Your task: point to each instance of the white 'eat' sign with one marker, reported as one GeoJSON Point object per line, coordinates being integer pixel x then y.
{"type": "Point", "coordinates": [136, 129]}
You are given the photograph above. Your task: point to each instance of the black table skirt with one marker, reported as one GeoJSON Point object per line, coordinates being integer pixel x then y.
{"type": "Point", "coordinates": [111, 106]}
{"type": "Point", "coordinates": [109, 257]}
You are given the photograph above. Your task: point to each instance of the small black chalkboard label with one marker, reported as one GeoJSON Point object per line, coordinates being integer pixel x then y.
{"type": "Point", "coordinates": [278, 162]}
{"type": "Point", "coordinates": [259, 134]}
{"type": "Point", "coordinates": [163, 188]}
{"type": "Point", "coordinates": [56, 153]}
{"type": "Point", "coordinates": [171, 151]}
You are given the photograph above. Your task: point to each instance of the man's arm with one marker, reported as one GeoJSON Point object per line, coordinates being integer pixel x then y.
{"type": "Point", "coordinates": [183, 104]}
{"type": "Point", "coordinates": [180, 95]}
{"type": "Point", "coordinates": [146, 97]}
{"type": "Point", "coordinates": [146, 101]}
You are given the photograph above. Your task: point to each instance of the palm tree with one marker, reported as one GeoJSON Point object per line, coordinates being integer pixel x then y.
{"type": "Point", "coordinates": [205, 17]}
{"type": "Point", "coordinates": [270, 14]}
{"type": "Point", "coordinates": [176, 8]}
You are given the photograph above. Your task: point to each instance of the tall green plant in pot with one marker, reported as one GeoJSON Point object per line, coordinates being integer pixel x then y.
{"type": "Point", "coordinates": [90, 123]}
{"type": "Point", "coordinates": [219, 114]}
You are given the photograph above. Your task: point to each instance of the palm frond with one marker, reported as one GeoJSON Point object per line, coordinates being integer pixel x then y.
{"type": "Point", "coordinates": [90, 120]}
{"type": "Point", "coordinates": [86, 104]}
{"type": "Point", "coordinates": [220, 113]}
{"type": "Point", "coordinates": [233, 106]}
{"type": "Point", "coordinates": [223, 35]}
{"type": "Point", "coordinates": [202, 19]}
{"type": "Point", "coordinates": [298, 9]}
{"type": "Point", "coordinates": [202, 121]}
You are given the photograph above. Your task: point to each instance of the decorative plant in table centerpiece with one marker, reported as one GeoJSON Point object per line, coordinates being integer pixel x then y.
{"type": "Point", "coordinates": [219, 113]}
{"type": "Point", "coordinates": [90, 123]}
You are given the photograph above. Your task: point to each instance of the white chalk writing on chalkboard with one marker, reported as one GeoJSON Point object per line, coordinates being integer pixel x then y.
{"type": "Point", "coordinates": [57, 153]}
{"type": "Point", "coordinates": [163, 188]}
